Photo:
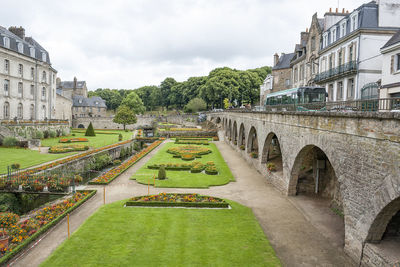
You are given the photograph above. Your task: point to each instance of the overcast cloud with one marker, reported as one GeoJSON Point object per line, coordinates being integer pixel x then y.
{"type": "Point", "coordinates": [128, 44]}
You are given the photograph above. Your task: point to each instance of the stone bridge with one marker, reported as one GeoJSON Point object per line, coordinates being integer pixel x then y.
{"type": "Point", "coordinates": [351, 159]}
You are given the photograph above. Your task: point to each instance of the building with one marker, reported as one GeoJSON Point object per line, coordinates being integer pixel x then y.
{"type": "Point", "coordinates": [390, 83]}
{"type": "Point", "coordinates": [93, 106]}
{"type": "Point", "coordinates": [27, 77]}
{"type": "Point", "coordinates": [298, 62]}
{"type": "Point", "coordinates": [349, 57]}
{"type": "Point", "coordinates": [312, 49]}
{"type": "Point", "coordinates": [71, 88]}
{"type": "Point", "coordinates": [63, 106]}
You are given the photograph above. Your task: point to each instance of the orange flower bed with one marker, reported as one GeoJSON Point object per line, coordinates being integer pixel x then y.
{"type": "Point", "coordinates": [70, 140]}
{"type": "Point", "coordinates": [109, 176]}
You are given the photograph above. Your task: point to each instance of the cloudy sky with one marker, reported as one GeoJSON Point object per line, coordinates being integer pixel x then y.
{"type": "Point", "coordinates": [128, 44]}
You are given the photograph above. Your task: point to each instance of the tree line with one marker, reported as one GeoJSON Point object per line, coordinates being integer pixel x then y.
{"type": "Point", "coordinates": [237, 86]}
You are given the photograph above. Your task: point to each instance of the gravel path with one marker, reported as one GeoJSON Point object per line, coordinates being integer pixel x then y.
{"type": "Point", "coordinates": [295, 240]}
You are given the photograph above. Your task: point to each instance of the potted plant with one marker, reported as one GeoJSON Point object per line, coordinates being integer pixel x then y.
{"type": "Point", "coordinates": [254, 154]}
{"type": "Point", "coordinates": [7, 219]}
{"type": "Point", "coordinates": [271, 167]}
{"type": "Point", "coordinates": [241, 147]}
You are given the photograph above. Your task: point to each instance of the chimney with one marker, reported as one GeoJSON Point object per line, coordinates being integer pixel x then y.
{"type": "Point", "coordinates": [303, 37]}
{"type": "Point", "coordinates": [337, 10]}
{"type": "Point", "coordinates": [58, 82]}
{"type": "Point", "coordinates": [75, 83]}
{"type": "Point", "coordinates": [330, 10]}
{"type": "Point", "coordinates": [20, 32]}
{"type": "Point", "coordinates": [276, 59]}
{"type": "Point", "coordinates": [306, 29]}
{"type": "Point", "coordinates": [343, 11]}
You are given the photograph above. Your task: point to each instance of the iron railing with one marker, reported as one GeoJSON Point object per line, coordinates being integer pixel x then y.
{"type": "Point", "coordinates": [348, 67]}
{"type": "Point", "coordinates": [362, 105]}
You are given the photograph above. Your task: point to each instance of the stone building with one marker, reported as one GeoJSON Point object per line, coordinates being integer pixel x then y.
{"type": "Point", "coordinates": [349, 58]}
{"type": "Point", "coordinates": [63, 106]}
{"type": "Point", "coordinates": [298, 63]}
{"type": "Point", "coordinates": [71, 88]}
{"type": "Point", "coordinates": [390, 83]}
{"type": "Point", "coordinates": [93, 106]}
{"type": "Point", "coordinates": [312, 49]}
{"type": "Point", "coordinates": [27, 76]}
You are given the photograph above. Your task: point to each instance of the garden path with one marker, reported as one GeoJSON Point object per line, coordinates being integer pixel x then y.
{"type": "Point", "coordinates": [295, 240]}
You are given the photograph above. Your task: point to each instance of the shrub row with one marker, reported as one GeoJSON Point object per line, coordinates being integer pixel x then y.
{"type": "Point", "coordinates": [177, 204]}
{"type": "Point", "coordinates": [194, 167]}
{"type": "Point", "coordinates": [67, 148]}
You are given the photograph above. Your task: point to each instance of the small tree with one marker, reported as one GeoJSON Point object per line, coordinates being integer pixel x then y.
{"type": "Point", "coordinates": [196, 104]}
{"type": "Point", "coordinates": [125, 116]}
{"type": "Point", "coordinates": [227, 104]}
{"type": "Point", "coordinates": [162, 175]}
{"type": "Point", "coordinates": [90, 130]}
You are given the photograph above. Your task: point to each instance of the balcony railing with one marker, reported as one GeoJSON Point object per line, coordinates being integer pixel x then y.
{"type": "Point", "coordinates": [349, 67]}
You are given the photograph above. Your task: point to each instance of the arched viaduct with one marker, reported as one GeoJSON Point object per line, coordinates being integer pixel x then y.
{"type": "Point", "coordinates": [351, 158]}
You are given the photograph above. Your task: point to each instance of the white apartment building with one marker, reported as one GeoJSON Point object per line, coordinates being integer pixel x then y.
{"type": "Point", "coordinates": [27, 79]}
{"type": "Point", "coordinates": [350, 56]}
{"type": "Point", "coordinates": [390, 85]}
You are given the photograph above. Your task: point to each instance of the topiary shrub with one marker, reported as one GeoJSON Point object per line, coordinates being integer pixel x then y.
{"type": "Point", "coordinates": [90, 130]}
{"type": "Point", "coordinates": [10, 141]}
{"type": "Point", "coordinates": [46, 134]}
{"type": "Point", "coordinates": [120, 137]}
{"type": "Point", "coordinates": [52, 134]}
{"type": "Point", "coordinates": [15, 166]}
{"type": "Point", "coordinates": [38, 135]}
{"type": "Point", "coordinates": [162, 174]}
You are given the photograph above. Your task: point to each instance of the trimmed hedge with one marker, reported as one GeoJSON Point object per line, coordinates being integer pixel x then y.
{"type": "Point", "coordinates": [42, 230]}
{"type": "Point", "coordinates": [177, 204]}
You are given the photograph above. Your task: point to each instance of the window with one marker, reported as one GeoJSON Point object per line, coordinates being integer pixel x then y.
{"type": "Point", "coordinates": [32, 51]}
{"type": "Point", "coordinates": [21, 70]}
{"type": "Point", "coordinates": [44, 56]}
{"type": "Point", "coordinates": [6, 110]}
{"type": "Point", "coordinates": [44, 93]}
{"type": "Point", "coordinates": [333, 35]}
{"type": "Point", "coordinates": [398, 62]}
{"type": "Point", "coordinates": [330, 92]}
{"type": "Point", "coordinates": [6, 42]}
{"type": "Point", "coordinates": [351, 53]}
{"type": "Point", "coordinates": [287, 82]}
{"type": "Point", "coordinates": [32, 90]}
{"type": "Point", "coordinates": [6, 66]}
{"type": "Point", "coordinates": [340, 57]}
{"type": "Point", "coordinates": [44, 77]}
{"type": "Point", "coordinates": [354, 22]}
{"type": "Point", "coordinates": [54, 78]}
{"type": "Point", "coordinates": [340, 91]}
{"type": "Point", "coordinates": [6, 87]}
{"type": "Point", "coordinates": [44, 112]}
{"type": "Point", "coordinates": [98, 109]}
{"type": "Point", "coordinates": [343, 29]}
{"type": "Point", "coordinates": [313, 43]}
{"type": "Point", "coordinates": [350, 89]}
{"type": "Point", "coordinates": [20, 111]}
{"type": "Point", "coordinates": [32, 73]}
{"type": "Point", "coordinates": [32, 111]}
{"type": "Point", "coordinates": [20, 48]}
{"type": "Point", "coordinates": [20, 90]}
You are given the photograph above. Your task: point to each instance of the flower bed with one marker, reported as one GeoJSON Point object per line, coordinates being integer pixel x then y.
{"type": "Point", "coordinates": [71, 140]}
{"type": "Point", "coordinates": [68, 148]}
{"type": "Point", "coordinates": [177, 200]}
{"type": "Point", "coordinates": [188, 152]}
{"type": "Point", "coordinates": [25, 232]}
{"type": "Point", "coordinates": [109, 176]}
{"type": "Point", "coordinates": [194, 167]}
{"type": "Point", "coordinates": [191, 142]}
{"type": "Point", "coordinates": [183, 129]}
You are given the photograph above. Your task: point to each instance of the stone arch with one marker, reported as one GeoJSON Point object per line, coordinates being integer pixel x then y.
{"type": "Point", "coordinates": [242, 137]}
{"type": "Point", "coordinates": [271, 153]}
{"type": "Point", "coordinates": [252, 141]}
{"type": "Point", "coordinates": [387, 222]}
{"type": "Point", "coordinates": [218, 120]}
{"type": "Point", "coordinates": [81, 126]}
{"type": "Point", "coordinates": [235, 133]}
{"type": "Point", "coordinates": [229, 129]}
{"type": "Point", "coordinates": [313, 174]}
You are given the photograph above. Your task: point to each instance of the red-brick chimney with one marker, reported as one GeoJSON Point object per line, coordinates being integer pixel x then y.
{"type": "Point", "coordinates": [18, 31]}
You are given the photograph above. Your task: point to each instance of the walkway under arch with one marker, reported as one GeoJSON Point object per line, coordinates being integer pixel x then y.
{"type": "Point", "coordinates": [252, 142]}
{"type": "Point", "coordinates": [271, 156]}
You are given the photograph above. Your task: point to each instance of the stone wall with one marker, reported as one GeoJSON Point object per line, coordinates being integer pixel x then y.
{"type": "Point", "coordinates": [362, 148]}
{"type": "Point", "coordinates": [183, 119]}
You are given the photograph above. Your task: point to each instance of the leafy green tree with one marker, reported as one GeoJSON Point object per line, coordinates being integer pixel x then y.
{"type": "Point", "coordinates": [227, 104]}
{"type": "Point", "coordinates": [133, 101]}
{"type": "Point", "coordinates": [90, 130]}
{"type": "Point", "coordinates": [176, 97]}
{"type": "Point", "coordinates": [195, 105]}
{"type": "Point", "coordinates": [145, 93]}
{"type": "Point", "coordinates": [125, 116]}
{"type": "Point", "coordinates": [165, 87]}
{"type": "Point", "coordinates": [113, 98]}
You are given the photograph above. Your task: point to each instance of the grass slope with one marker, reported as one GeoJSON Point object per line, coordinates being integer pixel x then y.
{"type": "Point", "coordinates": [185, 178]}
{"type": "Point", "coordinates": [27, 158]}
{"type": "Point", "coordinates": [119, 236]}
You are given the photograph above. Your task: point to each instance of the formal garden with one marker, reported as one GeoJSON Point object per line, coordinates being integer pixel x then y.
{"type": "Point", "coordinates": [119, 235]}
{"type": "Point", "coordinates": [185, 165]}
{"type": "Point", "coordinates": [59, 147]}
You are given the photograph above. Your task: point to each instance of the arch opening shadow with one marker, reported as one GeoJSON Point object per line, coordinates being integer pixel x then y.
{"type": "Point", "coordinates": [271, 154]}
{"type": "Point", "coordinates": [81, 126]}
{"type": "Point", "coordinates": [229, 130]}
{"type": "Point", "coordinates": [252, 143]}
{"type": "Point", "coordinates": [235, 133]}
{"type": "Point", "coordinates": [242, 137]}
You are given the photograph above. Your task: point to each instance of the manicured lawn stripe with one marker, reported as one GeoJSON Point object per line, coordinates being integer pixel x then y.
{"type": "Point", "coordinates": [121, 236]}
{"type": "Point", "coordinates": [185, 178]}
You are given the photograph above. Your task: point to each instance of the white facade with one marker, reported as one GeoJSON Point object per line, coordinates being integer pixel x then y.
{"type": "Point", "coordinates": [390, 85]}
{"type": "Point", "coordinates": [265, 88]}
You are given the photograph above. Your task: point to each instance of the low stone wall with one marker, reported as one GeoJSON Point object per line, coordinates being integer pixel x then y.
{"type": "Point", "coordinates": [168, 134]}
{"type": "Point", "coordinates": [183, 119]}
{"type": "Point", "coordinates": [107, 122]}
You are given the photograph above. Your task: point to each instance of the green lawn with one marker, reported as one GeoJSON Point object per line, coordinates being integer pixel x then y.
{"type": "Point", "coordinates": [127, 236]}
{"type": "Point", "coordinates": [185, 178]}
{"type": "Point", "coordinates": [94, 141]}
{"type": "Point", "coordinates": [27, 158]}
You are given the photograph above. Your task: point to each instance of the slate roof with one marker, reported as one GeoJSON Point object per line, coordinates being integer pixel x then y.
{"type": "Point", "coordinates": [81, 101]}
{"type": "Point", "coordinates": [70, 84]}
{"type": "Point", "coordinates": [394, 40]}
{"type": "Point", "coordinates": [321, 24]}
{"type": "Point", "coordinates": [284, 61]}
{"type": "Point", "coordinates": [27, 42]}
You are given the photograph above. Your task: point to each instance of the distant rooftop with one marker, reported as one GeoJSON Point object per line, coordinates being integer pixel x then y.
{"type": "Point", "coordinates": [284, 61]}
{"type": "Point", "coordinates": [94, 101]}
{"type": "Point", "coordinates": [394, 40]}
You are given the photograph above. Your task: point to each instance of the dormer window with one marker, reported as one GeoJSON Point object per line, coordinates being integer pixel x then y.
{"type": "Point", "coordinates": [333, 35]}
{"type": "Point", "coordinates": [354, 22]}
{"type": "Point", "coordinates": [343, 29]}
{"type": "Point", "coordinates": [80, 101]}
{"type": "Point", "coordinates": [32, 51]}
{"type": "Point", "coordinates": [21, 48]}
{"type": "Point", "coordinates": [96, 102]}
{"type": "Point", "coordinates": [43, 56]}
{"type": "Point", "coordinates": [6, 42]}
